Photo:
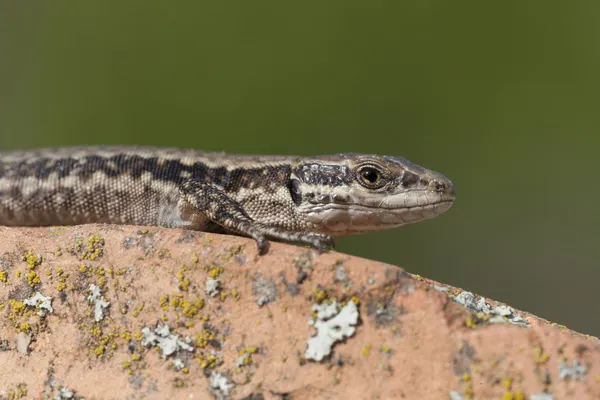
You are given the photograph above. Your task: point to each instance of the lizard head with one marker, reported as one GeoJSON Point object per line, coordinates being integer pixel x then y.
{"type": "Point", "coordinates": [352, 193]}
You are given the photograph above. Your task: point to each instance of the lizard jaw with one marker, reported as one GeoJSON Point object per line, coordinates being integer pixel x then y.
{"type": "Point", "coordinates": [349, 219]}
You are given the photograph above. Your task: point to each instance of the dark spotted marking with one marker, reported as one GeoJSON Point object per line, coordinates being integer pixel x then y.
{"type": "Point", "coordinates": [270, 178]}
{"type": "Point", "coordinates": [409, 179]}
{"type": "Point", "coordinates": [295, 192]}
{"type": "Point", "coordinates": [267, 177]}
{"type": "Point", "coordinates": [178, 188]}
{"type": "Point", "coordinates": [322, 174]}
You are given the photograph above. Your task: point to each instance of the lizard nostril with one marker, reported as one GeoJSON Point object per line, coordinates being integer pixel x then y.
{"type": "Point", "coordinates": [409, 179]}
{"type": "Point", "coordinates": [444, 187]}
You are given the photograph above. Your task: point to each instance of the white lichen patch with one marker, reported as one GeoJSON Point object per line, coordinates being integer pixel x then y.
{"type": "Point", "coordinates": [340, 273]}
{"type": "Point", "coordinates": [41, 302]}
{"type": "Point", "coordinates": [98, 301]}
{"type": "Point", "coordinates": [64, 393]}
{"type": "Point", "coordinates": [266, 290]}
{"type": "Point", "coordinates": [333, 325]}
{"type": "Point", "coordinates": [456, 396]}
{"type": "Point", "coordinates": [212, 286]}
{"type": "Point", "coordinates": [179, 364]}
{"type": "Point", "coordinates": [501, 314]}
{"type": "Point", "coordinates": [541, 396]}
{"type": "Point", "coordinates": [220, 386]}
{"type": "Point", "coordinates": [168, 342]}
{"type": "Point", "coordinates": [576, 372]}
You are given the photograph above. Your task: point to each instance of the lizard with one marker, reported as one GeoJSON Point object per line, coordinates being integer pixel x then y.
{"type": "Point", "coordinates": [297, 199]}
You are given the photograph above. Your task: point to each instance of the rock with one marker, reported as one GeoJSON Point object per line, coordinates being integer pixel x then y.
{"type": "Point", "coordinates": [123, 312]}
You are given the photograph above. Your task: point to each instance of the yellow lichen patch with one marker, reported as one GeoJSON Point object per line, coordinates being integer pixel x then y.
{"type": "Point", "coordinates": [62, 285]}
{"type": "Point", "coordinates": [134, 364]}
{"type": "Point", "coordinates": [355, 300]}
{"type": "Point", "coordinates": [93, 249]}
{"type": "Point", "coordinates": [385, 348]}
{"type": "Point", "coordinates": [389, 290]}
{"type": "Point", "coordinates": [190, 309]}
{"type": "Point", "coordinates": [136, 311]}
{"type": "Point", "coordinates": [467, 379]}
{"type": "Point", "coordinates": [101, 344]}
{"type": "Point", "coordinates": [96, 330]}
{"type": "Point", "coordinates": [207, 362]}
{"type": "Point", "coordinates": [235, 294]}
{"type": "Point", "coordinates": [469, 391]}
{"type": "Point", "coordinates": [32, 278]}
{"type": "Point", "coordinates": [204, 337]}
{"type": "Point", "coordinates": [176, 300]}
{"type": "Point", "coordinates": [232, 252]}
{"type": "Point", "coordinates": [18, 307]}
{"type": "Point", "coordinates": [187, 308]}
{"type": "Point", "coordinates": [33, 260]}
{"type": "Point", "coordinates": [179, 383]}
{"type": "Point", "coordinates": [183, 281]}
{"type": "Point", "coordinates": [23, 327]}
{"type": "Point", "coordinates": [246, 354]}
{"type": "Point", "coordinates": [540, 356]}
{"type": "Point", "coordinates": [513, 396]}
{"type": "Point", "coordinates": [164, 302]}
{"type": "Point", "coordinates": [3, 276]}
{"type": "Point", "coordinates": [475, 319]}
{"type": "Point", "coordinates": [214, 271]}
{"type": "Point", "coordinates": [195, 258]}
{"type": "Point", "coordinates": [320, 295]}
{"type": "Point", "coordinates": [366, 350]}
{"type": "Point", "coordinates": [20, 392]}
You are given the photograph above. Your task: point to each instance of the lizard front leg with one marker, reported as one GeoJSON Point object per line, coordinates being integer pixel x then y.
{"type": "Point", "coordinates": [221, 209]}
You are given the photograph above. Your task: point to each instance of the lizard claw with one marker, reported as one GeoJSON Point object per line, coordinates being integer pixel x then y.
{"type": "Point", "coordinates": [262, 244]}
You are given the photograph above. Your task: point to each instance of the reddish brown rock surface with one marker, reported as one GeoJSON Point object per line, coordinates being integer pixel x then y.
{"type": "Point", "coordinates": [156, 313]}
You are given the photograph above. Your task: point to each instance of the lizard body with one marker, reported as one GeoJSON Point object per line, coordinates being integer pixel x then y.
{"type": "Point", "coordinates": [286, 198]}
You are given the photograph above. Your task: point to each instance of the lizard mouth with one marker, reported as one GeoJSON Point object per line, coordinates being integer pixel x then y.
{"type": "Point", "coordinates": [343, 219]}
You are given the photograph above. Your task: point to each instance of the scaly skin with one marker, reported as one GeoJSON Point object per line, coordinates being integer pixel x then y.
{"type": "Point", "coordinates": [304, 200]}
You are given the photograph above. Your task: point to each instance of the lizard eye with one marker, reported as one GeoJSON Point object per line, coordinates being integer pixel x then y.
{"type": "Point", "coordinates": [369, 177]}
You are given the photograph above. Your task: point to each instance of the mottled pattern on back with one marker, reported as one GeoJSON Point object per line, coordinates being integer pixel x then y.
{"type": "Point", "coordinates": [286, 198]}
{"type": "Point", "coordinates": [117, 186]}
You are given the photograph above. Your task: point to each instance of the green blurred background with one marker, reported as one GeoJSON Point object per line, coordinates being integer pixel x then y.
{"type": "Point", "coordinates": [500, 97]}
